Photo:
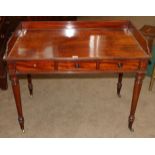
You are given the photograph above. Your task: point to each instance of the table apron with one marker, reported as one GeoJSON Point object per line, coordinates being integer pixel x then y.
{"type": "Point", "coordinates": [76, 67]}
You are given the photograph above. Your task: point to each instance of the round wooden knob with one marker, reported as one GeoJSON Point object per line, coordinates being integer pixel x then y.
{"type": "Point", "coordinates": [34, 65]}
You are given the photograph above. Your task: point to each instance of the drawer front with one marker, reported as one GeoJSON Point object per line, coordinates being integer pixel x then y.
{"type": "Point", "coordinates": [66, 66]}
{"type": "Point", "coordinates": [76, 66]}
{"type": "Point", "coordinates": [34, 66]}
{"type": "Point", "coordinates": [86, 66]}
{"type": "Point", "coordinates": [119, 66]}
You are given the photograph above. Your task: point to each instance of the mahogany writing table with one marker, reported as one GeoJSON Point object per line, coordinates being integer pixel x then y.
{"type": "Point", "coordinates": [77, 48]}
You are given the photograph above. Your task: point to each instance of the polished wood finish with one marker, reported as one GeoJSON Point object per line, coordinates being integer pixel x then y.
{"type": "Point", "coordinates": [149, 32]}
{"type": "Point", "coordinates": [59, 43]}
{"type": "Point", "coordinates": [8, 25]}
{"type": "Point", "coordinates": [16, 92]}
{"type": "Point", "coordinates": [79, 48]}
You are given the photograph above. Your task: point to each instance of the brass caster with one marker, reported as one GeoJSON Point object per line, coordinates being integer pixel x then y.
{"type": "Point", "coordinates": [131, 129]}
{"type": "Point", "coordinates": [23, 131]}
{"type": "Point", "coordinates": [31, 95]}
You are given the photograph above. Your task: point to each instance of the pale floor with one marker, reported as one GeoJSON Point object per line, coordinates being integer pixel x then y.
{"type": "Point", "coordinates": [78, 107]}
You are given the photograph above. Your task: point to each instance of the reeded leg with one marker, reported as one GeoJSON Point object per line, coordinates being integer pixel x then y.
{"type": "Point", "coordinates": [136, 92]}
{"type": "Point", "coordinates": [16, 92]}
{"type": "Point", "coordinates": [152, 79]}
{"type": "Point", "coordinates": [30, 86]}
{"type": "Point", "coordinates": [119, 84]}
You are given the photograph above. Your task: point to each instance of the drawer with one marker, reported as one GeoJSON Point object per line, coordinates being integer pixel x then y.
{"type": "Point", "coordinates": [34, 66]}
{"type": "Point", "coordinates": [64, 66]}
{"type": "Point", "coordinates": [119, 66]}
{"type": "Point", "coordinates": [86, 65]}
{"type": "Point", "coordinates": [76, 66]}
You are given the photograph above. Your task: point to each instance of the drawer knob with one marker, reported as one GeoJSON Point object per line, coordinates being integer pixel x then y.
{"type": "Point", "coordinates": [77, 65]}
{"type": "Point", "coordinates": [120, 65]}
{"type": "Point", "coordinates": [34, 65]}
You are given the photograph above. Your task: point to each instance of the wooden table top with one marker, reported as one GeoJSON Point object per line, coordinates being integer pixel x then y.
{"type": "Point", "coordinates": [85, 40]}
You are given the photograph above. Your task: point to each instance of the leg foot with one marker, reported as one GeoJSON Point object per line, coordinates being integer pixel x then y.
{"type": "Point", "coordinates": [119, 84]}
{"type": "Point", "coordinates": [130, 123]}
{"type": "Point", "coordinates": [21, 123]}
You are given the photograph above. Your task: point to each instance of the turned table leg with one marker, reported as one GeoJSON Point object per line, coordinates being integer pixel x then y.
{"type": "Point", "coordinates": [30, 86]}
{"type": "Point", "coordinates": [119, 84]}
{"type": "Point", "coordinates": [16, 92]}
{"type": "Point", "coordinates": [136, 92]}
